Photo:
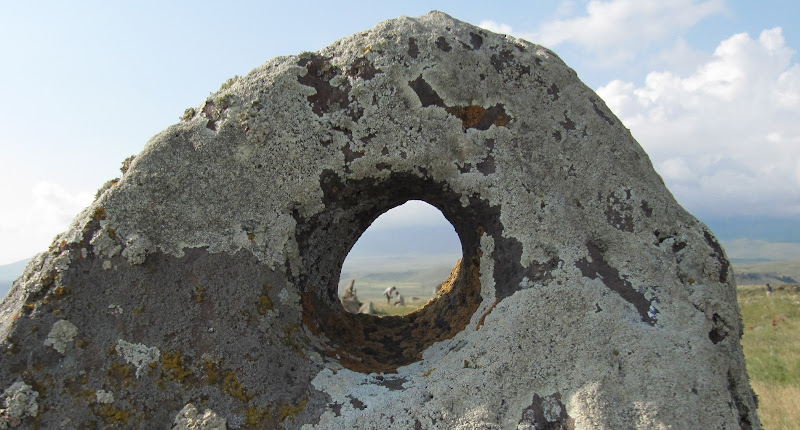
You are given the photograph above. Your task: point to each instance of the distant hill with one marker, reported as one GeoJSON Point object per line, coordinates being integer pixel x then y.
{"type": "Point", "coordinates": [762, 272]}
{"type": "Point", "coordinates": [400, 242]}
{"type": "Point", "coordinates": [427, 277]}
{"type": "Point", "coordinates": [753, 250]}
{"type": "Point", "coordinates": [10, 272]}
{"type": "Point", "coordinates": [784, 229]}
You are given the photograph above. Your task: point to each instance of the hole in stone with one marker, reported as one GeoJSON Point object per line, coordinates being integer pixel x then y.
{"type": "Point", "coordinates": [400, 262]}
{"type": "Point", "coordinates": [367, 343]}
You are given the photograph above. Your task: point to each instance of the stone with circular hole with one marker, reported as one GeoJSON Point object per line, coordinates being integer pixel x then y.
{"type": "Point", "coordinates": [586, 297]}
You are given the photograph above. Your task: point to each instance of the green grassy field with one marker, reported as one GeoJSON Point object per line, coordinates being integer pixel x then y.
{"type": "Point", "coordinates": [771, 345]}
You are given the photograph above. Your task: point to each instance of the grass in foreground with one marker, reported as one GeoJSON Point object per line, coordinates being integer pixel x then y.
{"type": "Point", "coordinates": [771, 344]}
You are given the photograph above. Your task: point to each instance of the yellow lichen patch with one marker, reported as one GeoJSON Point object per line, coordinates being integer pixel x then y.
{"type": "Point", "coordinates": [198, 294]}
{"type": "Point", "coordinates": [120, 373]}
{"type": "Point", "coordinates": [173, 368]}
{"type": "Point", "coordinates": [428, 373]}
{"type": "Point", "coordinates": [99, 214]}
{"type": "Point", "coordinates": [41, 387]}
{"type": "Point", "coordinates": [232, 386]}
{"type": "Point", "coordinates": [151, 368]}
{"type": "Point", "coordinates": [288, 338]}
{"type": "Point", "coordinates": [264, 304]}
{"type": "Point", "coordinates": [289, 411]}
{"type": "Point", "coordinates": [87, 394]}
{"type": "Point", "coordinates": [255, 416]}
{"type": "Point", "coordinates": [114, 415]}
{"type": "Point", "coordinates": [211, 369]}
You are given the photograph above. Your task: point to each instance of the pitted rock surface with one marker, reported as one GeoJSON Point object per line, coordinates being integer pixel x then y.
{"type": "Point", "coordinates": [586, 297]}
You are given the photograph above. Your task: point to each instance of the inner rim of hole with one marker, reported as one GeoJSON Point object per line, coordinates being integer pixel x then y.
{"type": "Point", "coordinates": [366, 343]}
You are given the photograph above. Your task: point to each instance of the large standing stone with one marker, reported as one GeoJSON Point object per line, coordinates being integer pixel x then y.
{"type": "Point", "coordinates": [206, 279]}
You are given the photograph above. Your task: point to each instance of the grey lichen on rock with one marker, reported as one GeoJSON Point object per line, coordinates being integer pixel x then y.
{"type": "Point", "coordinates": [189, 418]}
{"type": "Point", "coordinates": [137, 354]}
{"type": "Point", "coordinates": [19, 401]}
{"type": "Point", "coordinates": [586, 297]}
{"type": "Point", "coordinates": [61, 335]}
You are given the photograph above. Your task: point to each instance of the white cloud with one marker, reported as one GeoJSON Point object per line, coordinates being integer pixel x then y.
{"type": "Point", "coordinates": [676, 169]}
{"type": "Point", "coordinates": [611, 24]}
{"type": "Point", "coordinates": [496, 27]}
{"type": "Point", "coordinates": [39, 213]}
{"type": "Point", "coordinates": [731, 126]}
{"type": "Point", "coordinates": [566, 8]}
{"type": "Point", "coordinates": [680, 57]}
{"type": "Point", "coordinates": [797, 173]}
{"type": "Point", "coordinates": [615, 31]}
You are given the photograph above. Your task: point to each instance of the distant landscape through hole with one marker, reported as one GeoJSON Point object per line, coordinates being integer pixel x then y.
{"type": "Point", "coordinates": [411, 247]}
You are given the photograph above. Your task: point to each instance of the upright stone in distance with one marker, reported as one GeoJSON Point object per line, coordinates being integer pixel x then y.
{"type": "Point", "coordinates": [586, 296]}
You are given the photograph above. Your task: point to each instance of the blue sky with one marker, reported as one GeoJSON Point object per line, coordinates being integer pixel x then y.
{"type": "Point", "coordinates": [710, 88]}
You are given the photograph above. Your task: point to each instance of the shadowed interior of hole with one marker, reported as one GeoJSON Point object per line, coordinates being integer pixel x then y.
{"type": "Point", "coordinates": [412, 247]}
{"type": "Point", "coordinates": [366, 343]}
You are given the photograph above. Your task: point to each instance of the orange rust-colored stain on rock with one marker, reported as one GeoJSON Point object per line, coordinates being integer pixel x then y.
{"type": "Point", "coordinates": [500, 121]}
{"type": "Point", "coordinates": [485, 314]}
{"type": "Point", "coordinates": [470, 115]}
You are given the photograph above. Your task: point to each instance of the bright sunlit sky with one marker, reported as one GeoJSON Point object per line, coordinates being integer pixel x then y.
{"type": "Point", "coordinates": [710, 89]}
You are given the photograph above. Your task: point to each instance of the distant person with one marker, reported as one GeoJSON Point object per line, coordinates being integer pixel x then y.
{"type": "Point", "coordinates": [769, 290]}
{"type": "Point", "coordinates": [400, 300]}
{"type": "Point", "coordinates": [389, 292]}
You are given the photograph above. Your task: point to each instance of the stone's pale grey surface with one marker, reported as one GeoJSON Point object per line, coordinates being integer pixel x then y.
{"type": "Point", "coordinates": [350, 300]}
{"type": "Point", "coordinates": [367, 308]}
{"type": "Point", "coordinates": [586, 296]}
